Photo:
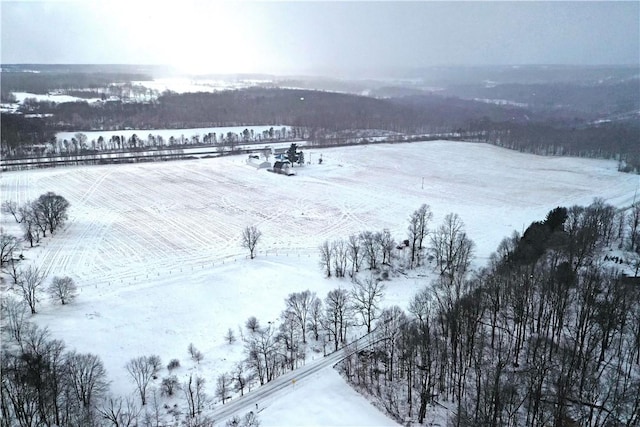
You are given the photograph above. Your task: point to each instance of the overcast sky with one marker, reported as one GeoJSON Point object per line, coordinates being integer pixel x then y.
{"type": "Point", "coordinates": [302, 36]}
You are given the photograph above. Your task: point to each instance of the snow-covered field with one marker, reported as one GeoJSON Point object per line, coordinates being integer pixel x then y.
{"type": "Point", "coordinates": [177, 85]}
{"type": "Point", "coordinates": [53, 97]}
{"type": "Point", "coordinates": [194, 85]}
{"type": "Point", "coordinates": [155, 247]}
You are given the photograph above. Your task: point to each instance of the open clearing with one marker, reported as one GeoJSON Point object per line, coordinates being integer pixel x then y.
{"type": "Point", "coordinates": [155, 248]}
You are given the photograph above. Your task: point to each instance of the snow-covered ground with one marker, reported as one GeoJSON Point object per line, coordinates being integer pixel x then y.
{"type": "Point", "coordinates": [323, 400]}
{"type": "Point", "coordinates": [157, 86]}
{"type": "Point", "coordinates": [54, 97]}
{"type": "Point", "coordinates": [193, 85]}
{"type": "Point", "coordinates": [501, 102]}
{"type": "Point", "coordinates": [51, 97]}
{"type": "Point", "coordinates": [155, 247]}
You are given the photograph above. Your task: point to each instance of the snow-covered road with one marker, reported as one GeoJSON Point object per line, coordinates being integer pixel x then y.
{"type": "Point", "coordinates": [257, 398]}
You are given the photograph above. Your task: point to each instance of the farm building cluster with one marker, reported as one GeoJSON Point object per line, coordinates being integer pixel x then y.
{"type": "Point", "coordinates": [284, 159]}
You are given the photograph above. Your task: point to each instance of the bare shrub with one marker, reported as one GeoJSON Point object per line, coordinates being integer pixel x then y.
{"type": "Point", "coordinates": [252, 324]}
{"type": "Point", "coordinates": [195, 354]}
{"type": "Point", "coordinates": [173, 364]}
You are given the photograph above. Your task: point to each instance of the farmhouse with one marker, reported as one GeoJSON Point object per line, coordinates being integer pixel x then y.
{"type": "Point", "coordinates": [282, 167]}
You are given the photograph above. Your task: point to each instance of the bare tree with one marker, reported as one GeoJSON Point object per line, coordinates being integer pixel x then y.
{"type": "Point", "coordinates": [634, 226]}
{"type": "Point", "coordinates": [240, 377]}
{"type": "Point", "coordinates": [337, 314]}
{"type": "Point", "coordinates": [14, 317]}
{"type": "Point", "coordinates": [250, 237]}
{"type": "Point", "coordinates": [354, 253]}
{"type": "Point", "coordinates": [371, 249]}
{"type": "Point", "coordinates": [262, 354]}
{"type": "Point", "coordinates": [173, 364]}
{"type": "Point", "coordinates": [451, 248]}
{"type": "Point", "coordinates": [386, 243]}
{"type": "Point", "coordinates": [223, 387]}
{"type": "Point", "coordinates": [366, 296]}
{"type": "Point", "coordinates": [8, 244]}
{"type": "Point", "coordinates": [141, 371]}
{"type": "Point", "coordinates": [620, 222]}
{"type": "Point", "coordinates": [13, 270]}
{"type": "Point", "coordinates": [82, 140]}
{"type": "Point", "coordinates": [156, 364]}
{"type": "Point", "coordinates": [418, 223]}
{"type": "Point", "coordinates": [195, 354]}
{"type": "Point", "coordinates": [299, 303]}
{"type": "Point", "coordinates": [326, 253]}
{"type": "Point", "coordinates": [289, 338]}
{"type": "Point", "coordinates": [230, 337]}
{"type": "Point", "coordinates": [193, 390]}
{"type": "Point", "coordinates": [63, 289]}
{"type": "Point", "coordinates": [32, 381]}
{"type": "Point", "coordinates": [30, 227]}
{"type": "Point", "coordinates": [234, 421]}
{"type": "Point", "coordinates": [315, 317]}
{"type": "Point", "coordinates": [169, 385]}
{"type": "Point", "coordinates": [340, 252]}
{"type": "Point", "coordinates": [27, 216]}
{"type": "Point", "coordinates": [120, 412]}
{"type": "Point", "coordinates": [250, 419]}
{"type": "Point", "coordinates": [252, 324]}
{"type": "Point", "coordinates": [29, 282]}
{"type": "Point", "coordinates": [87, 377]}
{"type": "Point", "coordinates": [39, 218]}
{"type": "Point", "coordinates": [53, 209]}
{"type": "Point", "coordinates": [11, 207]}
{"type": "Point", "coordinates": [153, 412]}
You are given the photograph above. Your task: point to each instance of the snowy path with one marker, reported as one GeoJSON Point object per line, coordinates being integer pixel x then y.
{"type": "Point", "coordinates": [260, 397]}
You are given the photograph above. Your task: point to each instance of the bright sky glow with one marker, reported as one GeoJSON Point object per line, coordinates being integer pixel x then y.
{"type": "Point", "coordinates": [303, 36]}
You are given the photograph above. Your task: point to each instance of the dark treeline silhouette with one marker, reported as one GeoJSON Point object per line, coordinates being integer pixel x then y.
{"type": "Point", "coordinates": [605, 140]}
{"type": "Point", "coordinates": [331, 111]}
{"type": "Point", "coordinates": [321, 113]}
{"type": "Point", "coordinates": [295, 107]}
{"type": "Point", "coordinates": [16, 130]}
{"type": "Point", "coordinates": [569, 100]}
{"type": "Point", "coordinates": [43, 83]}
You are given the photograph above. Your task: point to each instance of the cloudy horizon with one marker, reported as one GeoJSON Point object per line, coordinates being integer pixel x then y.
{"type": "Point", "coordinates": [277, 37]}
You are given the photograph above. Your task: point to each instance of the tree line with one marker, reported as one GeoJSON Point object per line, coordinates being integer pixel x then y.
{"type": "Point", "coordinates": [611, 140]}
{"type": "Point", "coordinates": [324, 113]}
{"type": "Point", "coordinates": [315, 111]}
{"type": "Point", "coordinates": [46, 82]}
{"type": "Point", "coordinates": [310, 322]}
{"type": "Point", "coordinates": [548, 333]}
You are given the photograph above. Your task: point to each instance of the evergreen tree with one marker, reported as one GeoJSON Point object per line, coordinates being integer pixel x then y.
{"type": "Point", "coordinates": [292, 154]}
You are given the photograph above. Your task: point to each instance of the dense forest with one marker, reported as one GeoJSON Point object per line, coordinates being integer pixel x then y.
{"type": "Point", "coordinates": [43, 83]}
